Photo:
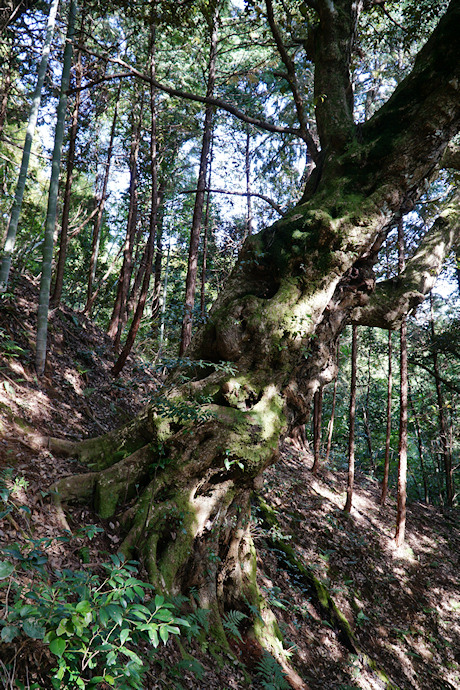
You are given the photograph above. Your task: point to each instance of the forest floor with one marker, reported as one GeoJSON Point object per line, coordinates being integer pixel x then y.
{"type": "Point", "coordinates": [403, 606]}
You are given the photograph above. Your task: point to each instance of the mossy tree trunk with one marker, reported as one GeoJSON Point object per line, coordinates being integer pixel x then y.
{"type": "Point", "coordinates": [184, 470]}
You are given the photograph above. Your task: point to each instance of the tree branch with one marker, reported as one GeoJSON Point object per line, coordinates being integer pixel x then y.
{"type": "Point", "coordinates": [448, 384]}
{"type": "Point", "coordinates": [267, 199]}
{"type": "Point", "coordinates": [407, 136]}
{"type": "Point", "coordinates": [291, 79]}
{"type": "Point", "coordinates": [396, 297]}
{"type": "Point", "coordinates": [179, 93]}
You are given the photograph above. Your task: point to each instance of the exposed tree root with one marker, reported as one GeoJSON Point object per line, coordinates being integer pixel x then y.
{"type": "Point", "coordinates": [325, 602]}
{"type": "Point", "coordinates": [190, 517]}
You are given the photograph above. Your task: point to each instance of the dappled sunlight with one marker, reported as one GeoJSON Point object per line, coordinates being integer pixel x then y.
{"type": "Point", "coordinates": [402, 605]}
{"type": "Point", "coordinates": [74, 380]}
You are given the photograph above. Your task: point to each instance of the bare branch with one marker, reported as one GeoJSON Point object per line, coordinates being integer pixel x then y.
{"type": "Point", "coordinates": [448, 384]}
{"type": "Point", "coordinates": [291, 78]}
{"type": "Point", "coordinates": [179, 93]}
{"type": "Point", "coordinates": [267, 199]}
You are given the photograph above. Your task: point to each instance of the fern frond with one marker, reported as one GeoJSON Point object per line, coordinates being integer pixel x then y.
{"type": "Point", "coordinates": [273, 676]}
{"type": "Point", "coordinates": [231, 622]}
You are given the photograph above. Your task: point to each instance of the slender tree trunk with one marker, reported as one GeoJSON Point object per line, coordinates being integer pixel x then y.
{"type": "Point", "coordinates": [367, 426]}
{"type": "Point", "coordinates": [446, 456]}
{"type": "Point", "coordinates": [330, 426]}
{"type": "Point", "coordinates": [140, 260]}
{"type": "Point", "coordinates": [190, 282]}
{"type": "Point", "coordinates": [157, 279]}
{"type": "Point", "coordinates": [20, 187]}
{"type": "Point", "coordinates": [205, 239]}
{"type": "Point", "coordinates": [386, 467]}
{"type": "Point", "coordinates": [163, 303]}
{"type": "Point", "coordinates": [150, 246]}
{"type": "Point", "coordinates": [317, 415]}
{"type": "Point", "coordinates": [48, 244]}
{"type": "Point", "coordinates": [352, 419]}
{"type": "Point", "coordinates": [404, 390]}
{"type": "Point", "coordinates": [419, 448]}
{"type": "Point", "coordinates": [114, 329]}
{"type": "Point", "coordinates": [57, 292]}
{"type": "Point", "coordinates": [90, 297]}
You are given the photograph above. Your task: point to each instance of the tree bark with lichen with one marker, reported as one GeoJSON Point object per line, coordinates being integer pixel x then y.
{"type": "Point", "coordinates": [183, 471]}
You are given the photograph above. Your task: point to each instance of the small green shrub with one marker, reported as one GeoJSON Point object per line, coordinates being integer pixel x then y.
{"type": "Point", "coordinates": [99, 629]}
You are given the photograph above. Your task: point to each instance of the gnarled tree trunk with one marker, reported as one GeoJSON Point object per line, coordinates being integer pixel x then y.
{"type": "Point", "coordinates": [188, 464]}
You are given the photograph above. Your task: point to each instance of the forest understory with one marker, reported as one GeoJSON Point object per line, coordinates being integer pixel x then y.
{"type": "Point", "coordinates": [402, 606]}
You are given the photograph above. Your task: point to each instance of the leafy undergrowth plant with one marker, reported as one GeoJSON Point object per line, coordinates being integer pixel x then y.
{"type": "Point", "coordinates": [98, 629]}
{"type": "Point", "coordinates": [93, 628]}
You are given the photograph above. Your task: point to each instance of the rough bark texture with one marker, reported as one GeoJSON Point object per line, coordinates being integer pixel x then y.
{"type": "Point", "coordinates": [188, 464]}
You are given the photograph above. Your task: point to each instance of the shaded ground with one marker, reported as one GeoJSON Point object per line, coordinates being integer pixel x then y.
{"type": "Point", "coordinates": [402, 606]}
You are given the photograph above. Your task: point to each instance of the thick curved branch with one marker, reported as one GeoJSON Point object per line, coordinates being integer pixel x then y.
{"type": "Point", "coordinates": [448, 384]}
{"type": "Point", "coordinates": [407, 136]}
{"type": "Point", "coordinates": [179, 93]}
{"type": "Point", "coordinates": [396, 297]}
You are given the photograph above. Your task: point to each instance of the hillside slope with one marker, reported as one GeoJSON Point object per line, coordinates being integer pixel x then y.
{"type": "Point", "coordinates": [400, 622]}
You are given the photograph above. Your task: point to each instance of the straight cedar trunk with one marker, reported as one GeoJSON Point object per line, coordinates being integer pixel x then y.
{"type": "Point", "coordinates": [367, 426]}
{"type": "Point", "coordinates": [351, 421]}
{"type": "Point", "coordinates": [205, 259]}
{"type": "Point", "coordinates": [247, 170]}
{"type": "Point", "coordinates": [96, 238]}
{"type": "Point", "coordinates": [153, 222]}
{"type": "Point", "coordinates": [317, 416]}
{"type": "Point", "coordinates": [13, 223]}
{"type": "Point", "coordinates": [386, 466]}
{"type": "Point", "coordinates": [63, 238]}
{"type": "Point", "coordinates": [190, 281]}
{"type": "Point", "coordinates": [50, 223]}
{"type": "Point", "coordinates": [294, 287]}
{"type": "Point", "coordinates": [157, 279]}
{"type": "Point", "coordinates": [205, 238]}
{"type": "Point", "coordinates": [330, 426]}
{"type": "Point", "coordinates": [403, 402]}
{"type": "Point", "coordinates": [116, 320]}
{"type": "Point", "coordinates": [445, 450]}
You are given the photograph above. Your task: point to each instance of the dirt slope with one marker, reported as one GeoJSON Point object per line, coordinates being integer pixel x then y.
{"type": "Point", "coordinates": [402, 607]}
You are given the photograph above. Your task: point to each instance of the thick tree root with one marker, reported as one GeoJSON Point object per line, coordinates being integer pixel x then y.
{"type": "Point", "coordinates": [325, 602]}
{"type": "Point", "coordinates": [191, 526]}
{"type": "Point", "coordinates": [109, 487]}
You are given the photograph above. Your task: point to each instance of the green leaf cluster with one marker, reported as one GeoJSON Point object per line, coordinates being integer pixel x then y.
{"type": "Point", "coordinates": [99, 629]}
